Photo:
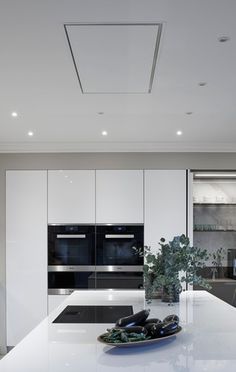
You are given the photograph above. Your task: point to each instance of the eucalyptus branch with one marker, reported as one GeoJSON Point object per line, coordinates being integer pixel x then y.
{"type": "Point", "coordinates": [161, 269]}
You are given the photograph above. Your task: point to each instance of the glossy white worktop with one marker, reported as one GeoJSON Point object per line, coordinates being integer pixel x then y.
{"type": "Point", "coordinates": [206, 343]}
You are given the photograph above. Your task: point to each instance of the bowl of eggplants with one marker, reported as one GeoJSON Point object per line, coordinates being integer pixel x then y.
{"type": "Point", "coordinates": [139, 329]}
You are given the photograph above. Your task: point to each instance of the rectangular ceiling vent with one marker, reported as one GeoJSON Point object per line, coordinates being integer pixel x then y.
{"type": "Point", "coordinates": [114, 58]}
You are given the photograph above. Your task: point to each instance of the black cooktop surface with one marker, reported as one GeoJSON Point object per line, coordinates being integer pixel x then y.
{"type": "Point", "coordinates": [93, 314]}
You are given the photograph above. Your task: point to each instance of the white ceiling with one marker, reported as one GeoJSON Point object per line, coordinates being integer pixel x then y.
{"type": "Point", "coordinates": [38, 78]}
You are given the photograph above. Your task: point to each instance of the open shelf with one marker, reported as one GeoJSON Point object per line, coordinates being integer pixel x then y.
{"type": "Point", "coordinates": [216, 230]}
{"type": "Point", "coordinates": [214, 204]}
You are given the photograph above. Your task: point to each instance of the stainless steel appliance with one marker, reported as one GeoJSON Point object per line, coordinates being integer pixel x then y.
{"type": "Point", "coordinates": [115, 247]}
{"type": "Point", "coordinates": [89, 256]}
{"type": "Point", "coordinates": [71, 245]}
{"type": "Point", "coordinates": [71, 258]}
{"type": "Point", "coordinates": [118, 264]}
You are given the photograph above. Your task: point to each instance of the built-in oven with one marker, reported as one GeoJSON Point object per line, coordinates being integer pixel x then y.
{"type": "Point", "coordinates": [71, 245]}
{"type": "Point", "coordinates": [89, 257]}
{"type": "Point", "coordinates": [71, 258]}
{"type": "Point", "coordinates": [119, 256]}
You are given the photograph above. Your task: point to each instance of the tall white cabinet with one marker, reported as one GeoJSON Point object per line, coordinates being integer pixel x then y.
{"type": "Point", "coordinates": [165, 205]}
{"type": "Point", "coordinates": [26, 252]}
{"type": "Point", "coordinates": [71, 196]}
{"type": "Point", "coordinates": [119, 196]}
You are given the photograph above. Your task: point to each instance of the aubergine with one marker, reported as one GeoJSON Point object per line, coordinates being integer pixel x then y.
{"type": "Point", "coordinates": [171, 318]}
{"type": "Point", "coordinates": [132, 329]}
{"type": "Point", "coordinates": [161, 329]}
{"type": "Point", "coordinates": [170, 328]}
{"type": "Point", "coordinates": [133, 320]}
{"type": "Point", "coordinates": [152, 320]}
{"type": "Point", "coordinates": [152, 328]}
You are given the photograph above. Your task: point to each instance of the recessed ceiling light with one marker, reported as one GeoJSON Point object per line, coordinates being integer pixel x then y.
{"type": "Point", "coordinates": [104, 133]}
{"type": "Point", "coordinates": [189, 113]}
{"type": "Point", "coordinates": [179, 133]}
{"type": "Point", "coordinates": [223, 39]}
{"type": "Point", "coordinates": [30, 133]}
{"type": "Point", "coordinates": [14, 114]}
{"type": "Point", "coordinates": [202, 83]}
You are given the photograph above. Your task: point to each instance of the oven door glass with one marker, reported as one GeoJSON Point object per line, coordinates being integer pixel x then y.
{"type": "Point", "coordinates": [119, 280]}
{"type": "Point", "coordinates": [71, 245]}
{"type": "Point", "coordinates": [66, 282]}
{"type": "Point", "coordinates": [116, 245]}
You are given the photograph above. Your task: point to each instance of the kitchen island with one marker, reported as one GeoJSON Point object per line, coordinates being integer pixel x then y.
{"type": "Point", "coordinates": [207, 341]}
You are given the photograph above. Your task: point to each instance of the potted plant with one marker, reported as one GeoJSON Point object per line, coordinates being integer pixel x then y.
{"type": "Point", "coordinates": [176, 262]}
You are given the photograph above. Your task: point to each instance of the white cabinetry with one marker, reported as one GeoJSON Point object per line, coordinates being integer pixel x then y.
{"type": "Point", "coordinates": [26, 252]}
{"type": "Point", "coordinates": [165, 205]}
{"type": "Point", "coordinates": [71, 196]}
{"type": "Point", "coordinates": [119, 196]}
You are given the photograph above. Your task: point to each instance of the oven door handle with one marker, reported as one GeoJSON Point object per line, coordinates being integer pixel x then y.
{"type": "Point", "coordinates": [71, 236]}
{"type": "Point", "coordinates": [119, 236]}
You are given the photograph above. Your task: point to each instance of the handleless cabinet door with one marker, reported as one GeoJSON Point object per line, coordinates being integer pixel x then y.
{"type": "Point", "coordinates": [71, 196]}
{"type": "Point", "coordinates": [165, 205]}
{"type": "Point", "coordinates": [26, 252]}
{"type": "Point", "coordinates": [119, 196]}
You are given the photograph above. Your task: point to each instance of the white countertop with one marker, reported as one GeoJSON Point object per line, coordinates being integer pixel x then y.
{"type": "Point", "coordinates": [206, 343]}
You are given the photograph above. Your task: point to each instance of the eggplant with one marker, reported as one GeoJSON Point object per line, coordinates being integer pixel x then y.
{"type": "Point", "coordinates": [170, 328]}
{"type": "Point", "coordinates": [132, 320]}
{"type": "Point", "coordinates": [152, 320]}
{"type": "Point", "coordinates": [151, 329]}
{"type": "Point", "coordinates": [155, 330]}
{"type": "Point", "coordinates": [171, 318]}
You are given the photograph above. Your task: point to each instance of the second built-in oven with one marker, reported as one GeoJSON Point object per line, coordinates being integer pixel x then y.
{"type": "Point", "coordinates": [119, 256]}
{"type": "Point", "coordinates": [71, 258]}
{"type": "Point", "coordinates": [117, 247]}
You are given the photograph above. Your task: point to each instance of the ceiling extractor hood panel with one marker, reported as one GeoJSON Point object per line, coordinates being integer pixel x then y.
{"type": "Point", "coordinates": [114, 58]}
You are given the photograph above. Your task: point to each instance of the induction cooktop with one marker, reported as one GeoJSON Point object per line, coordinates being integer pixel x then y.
{"type": "Point", "coordinates": [93, 314]}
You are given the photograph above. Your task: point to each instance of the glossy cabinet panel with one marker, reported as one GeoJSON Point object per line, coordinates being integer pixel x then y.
{"type": "Point", "coordinates": [26, 252]}
{"type": "Point", "coordinates": [119, 196]}
{"type": "Point", "coordinates": [165, 205]}
{"type": "Point", "coordinates": [71, 196]}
